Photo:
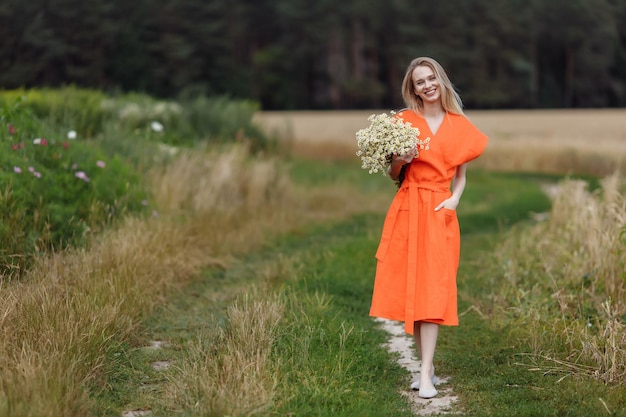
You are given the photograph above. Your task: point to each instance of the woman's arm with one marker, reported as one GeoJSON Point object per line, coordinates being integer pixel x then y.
{"type": "Point", "coordinates": [458, 186]}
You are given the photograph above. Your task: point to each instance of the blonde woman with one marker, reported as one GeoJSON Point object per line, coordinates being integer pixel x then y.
{"type": "Point", "coordinates": [418, 254]}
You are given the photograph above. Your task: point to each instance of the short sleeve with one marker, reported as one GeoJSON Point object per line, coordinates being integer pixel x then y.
{"type": "Point", "coordinates": [467, 144]}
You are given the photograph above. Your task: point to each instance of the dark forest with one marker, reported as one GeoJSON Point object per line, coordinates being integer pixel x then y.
{"type": "Point", "coordinates": [321, 54]}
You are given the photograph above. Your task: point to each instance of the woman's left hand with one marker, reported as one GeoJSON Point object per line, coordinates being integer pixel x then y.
{"type": "Point", "coordinates": [448, 203]}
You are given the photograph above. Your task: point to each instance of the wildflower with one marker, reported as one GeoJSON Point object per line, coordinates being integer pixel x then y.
{"type": "Point", "coordinates": [37, 141]}
{"type": "Point", "coordinates": [100, 164]}
{"type": "Point", "coordinates": [81, 175]}
{"type": "Point", "coordinates": [31, 169]}
{"type": "Point", "coordinates": [384, 137]}
{"type": "Point", "coordinates": [66, 144]}
{"type": "Point", "coordinates": [156, 127]}
{"type": "Point", "coordinates": [15, 147]}
{"type": "Point", "coordinates": [17, 170]}
{"type": "Point", "coordinates": [74, 166]}
{"type": "Point", "coordinates": [44, 142]}
{"type": "Point", "coordinates": [144, 202]}
{"type": "Point", "coordinates": [22, 145]}
{"type": "Point", "coordinates": [37, 174]}
{"type": "Point", "coordinates": [12, 130]}
{"type": "Point", "coordinates": [71, 134]}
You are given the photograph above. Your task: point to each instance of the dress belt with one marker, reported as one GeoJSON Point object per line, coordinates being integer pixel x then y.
{"type": "Point", "coordinates": [390, 220]}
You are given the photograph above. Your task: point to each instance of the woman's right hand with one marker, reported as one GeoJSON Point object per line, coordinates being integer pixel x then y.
{"type": "Point", "coordinates": [398, 161]}
{"type": "Point", "coordinates": [406, 158]}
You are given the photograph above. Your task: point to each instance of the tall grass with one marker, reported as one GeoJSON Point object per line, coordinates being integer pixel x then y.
{"type": "Point", "coordinates": [74, 308]}
{"type": "Point", "coordinates": [564, 282]}
{"type": "Point", "coordinates": [568, 156]}
{"type": "Point", "coordinates": [225, 180]}
{"type": "Point", "coordinates": [232, 373]}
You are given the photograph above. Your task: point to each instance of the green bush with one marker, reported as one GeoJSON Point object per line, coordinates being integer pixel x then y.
{"type": "Point", "coordinates": [191, 121]}
{"type": "Point", "coordinates": [220, 119]}
{"type": "Point", "coordinates": [55, 190]}
{"type": "Point", "coordinates": [65, 109]}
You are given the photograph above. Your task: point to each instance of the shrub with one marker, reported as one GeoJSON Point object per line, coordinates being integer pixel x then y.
{"type": "Point", "coordinates": [190, 121]}
{"type": "Point", "coordinates": [220, 119]}
{"type": "Point", "coordinates": [68, 108]}
{"type": "Point", "coordinates": [55, 190]}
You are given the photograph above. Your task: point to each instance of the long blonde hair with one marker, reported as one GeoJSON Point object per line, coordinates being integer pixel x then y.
{"type": "Point", "coordinates": [450, 99]}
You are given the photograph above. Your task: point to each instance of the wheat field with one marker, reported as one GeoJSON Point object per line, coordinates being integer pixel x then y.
{"type": "Point", "coordinates": [584, 141]}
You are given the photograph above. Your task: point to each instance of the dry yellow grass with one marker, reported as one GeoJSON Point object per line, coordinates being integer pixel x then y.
{"type": "Point", "coordinates": [231, 373]}
{"type": "Point", "coordinates": [551, 141]}
{"type": "Point", "coordinates": [562, 281]}
{"type": "Point", "coordinates": [72, 309]}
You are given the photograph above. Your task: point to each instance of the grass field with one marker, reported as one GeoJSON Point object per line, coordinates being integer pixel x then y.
{"type": "Point", "coordinates": [308, 291]}
{"type": "Point", "coordinates": [255, 273]}
{"type": "Point", "coordinates": [548, 141]}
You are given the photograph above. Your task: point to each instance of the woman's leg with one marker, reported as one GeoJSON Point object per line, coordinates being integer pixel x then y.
{"type": "Point", "coordinates": [418, 341]}
{"type": "Point", "coordinates": [428, 333]}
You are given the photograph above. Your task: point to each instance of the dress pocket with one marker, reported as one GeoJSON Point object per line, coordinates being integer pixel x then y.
{"type": "Point", "coordinates": [453, 231]}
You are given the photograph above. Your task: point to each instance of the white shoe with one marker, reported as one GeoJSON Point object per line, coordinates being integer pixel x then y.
{"type": "Point", "coordinates": [427, 393]}
{"type": "Point", "coordinates": [416, 384]}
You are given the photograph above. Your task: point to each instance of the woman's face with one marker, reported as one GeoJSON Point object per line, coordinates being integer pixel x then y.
{"type": "Point", "coordinates": [426, 84]}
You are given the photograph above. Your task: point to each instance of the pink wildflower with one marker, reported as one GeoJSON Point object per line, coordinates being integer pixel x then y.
{"type": "Point", "coordinates": [15, 147]}
{"type": "Point", "coordinates": [12, 130]}
{"type": "Point", "coordinates": [22, 145]}
{"type": "Point", "coordinates": [37, 174]}
{"type": "Point", "coordinates": [31, 169]}
{"type": "Point", "coordinates": [44, 142]}
{"type": "Point", "coordinates": [17, 170]}
{"type": "Point", "coordinates": [101, 164]}
{"type": "Point", "coordinates": [81, 175]}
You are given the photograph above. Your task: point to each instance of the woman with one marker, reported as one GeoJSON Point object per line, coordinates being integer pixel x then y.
{"type": "Point", "coordinates": [418, 254]}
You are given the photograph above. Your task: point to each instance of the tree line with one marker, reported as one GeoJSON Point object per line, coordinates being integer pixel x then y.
{"type": "Point", "coordinates": [321, 54]}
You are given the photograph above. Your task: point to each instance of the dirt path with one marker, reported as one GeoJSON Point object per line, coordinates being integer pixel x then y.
{"type": "Point", "coordinates": [402, 344]}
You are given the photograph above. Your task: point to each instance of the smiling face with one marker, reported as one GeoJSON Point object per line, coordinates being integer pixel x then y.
{"type": "Point", "coordinates": [425, 84]}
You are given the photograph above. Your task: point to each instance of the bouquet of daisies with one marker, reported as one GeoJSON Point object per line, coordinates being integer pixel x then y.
{"type": "Point", "coordinates": [386, 135]}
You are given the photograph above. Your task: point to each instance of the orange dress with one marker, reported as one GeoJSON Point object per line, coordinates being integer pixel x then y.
{"type": "Point", "coordinates": [418, 254]}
